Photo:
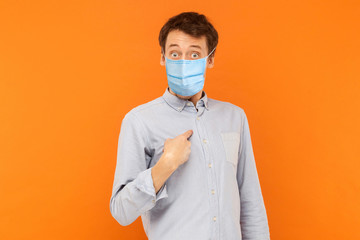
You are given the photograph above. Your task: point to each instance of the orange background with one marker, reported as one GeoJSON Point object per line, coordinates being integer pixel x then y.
{"type": "Point", "coordinates": [70, 70]}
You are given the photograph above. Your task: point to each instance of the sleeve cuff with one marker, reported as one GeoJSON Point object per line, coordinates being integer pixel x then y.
{"type": "Point", "coordinates": [145, 183]}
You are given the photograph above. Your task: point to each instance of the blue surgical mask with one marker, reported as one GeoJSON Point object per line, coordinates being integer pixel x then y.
{"type": "Point", "coordinates": [186, 77]}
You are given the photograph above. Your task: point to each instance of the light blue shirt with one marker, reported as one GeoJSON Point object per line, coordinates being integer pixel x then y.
{"type": "Point", "coordinates": [216, 194]}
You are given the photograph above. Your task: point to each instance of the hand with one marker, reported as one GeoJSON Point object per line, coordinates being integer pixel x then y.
{"type": "Point", "coordinates": [177, 150]}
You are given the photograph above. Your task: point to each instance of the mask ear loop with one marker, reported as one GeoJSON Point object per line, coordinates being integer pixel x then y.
{"type": "Point", "coordinates": [210, 52]}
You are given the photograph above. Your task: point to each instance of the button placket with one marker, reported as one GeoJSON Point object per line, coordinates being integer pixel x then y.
{"type": "Point", "coordinates": [211, 174]}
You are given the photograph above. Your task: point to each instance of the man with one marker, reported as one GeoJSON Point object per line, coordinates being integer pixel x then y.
{"type": "Point", "coordinates": [185, 162]}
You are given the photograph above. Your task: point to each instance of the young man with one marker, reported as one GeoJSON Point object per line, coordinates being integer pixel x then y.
{"type": "Point", "coordinates": [185, 162]}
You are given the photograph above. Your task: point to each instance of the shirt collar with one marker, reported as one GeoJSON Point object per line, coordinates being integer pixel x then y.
{"type": "Point", "coordinates": [178, 104]}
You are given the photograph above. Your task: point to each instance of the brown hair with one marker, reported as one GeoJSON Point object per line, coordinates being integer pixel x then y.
{"type": "Point", "coordinates": [192, 23]}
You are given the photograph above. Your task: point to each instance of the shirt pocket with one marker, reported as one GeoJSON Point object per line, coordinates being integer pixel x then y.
{"type": "Point", "coordinates": [231, 142]}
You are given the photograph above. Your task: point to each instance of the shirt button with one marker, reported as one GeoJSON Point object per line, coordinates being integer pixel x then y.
{"type": "Point", "coordinates": [189, 104]}
{"type": "Point", "coordinates": [153, 201]}
{"type": "Point", "coordinates": [179, 108]}
{"type": "Point", "coordinates": [214, 218]}
{"type": "Point", "coordinates": [209, 165]}
{"type": "Point", "coordinates": [212, 191]}
{"type": "Point", "coordinates": [205, 141]}
{"type": "Point", "coordinates": [197, 118]}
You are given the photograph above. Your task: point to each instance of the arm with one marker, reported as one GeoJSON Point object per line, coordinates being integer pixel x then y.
{"type": "Point", "coordinates": [133, 190]}
{"type": "Point", "coordinates": [253, 218]}
{"type": "Point", "coordinates": [161, 172]}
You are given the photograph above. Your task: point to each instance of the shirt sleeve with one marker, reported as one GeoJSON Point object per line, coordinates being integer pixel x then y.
{"type": "Point", "coordinates": [253, 217]}
{"type": "Point", "coordinates": [133, 190]}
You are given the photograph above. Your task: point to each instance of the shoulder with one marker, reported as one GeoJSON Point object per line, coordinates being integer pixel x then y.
{"type": "Point", "coordinates": [141, 110]}
{"type": "Point", "coordinates": [225, 106]}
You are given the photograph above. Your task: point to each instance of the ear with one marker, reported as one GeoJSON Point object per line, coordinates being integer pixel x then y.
{"type": "Point", "coordinates": [162, 60]}
{"type": "Point", "coordinates": [211, 61]}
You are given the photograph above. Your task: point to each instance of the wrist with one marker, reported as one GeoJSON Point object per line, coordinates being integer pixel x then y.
{"type": "Point", "coordinates": [167, 162]}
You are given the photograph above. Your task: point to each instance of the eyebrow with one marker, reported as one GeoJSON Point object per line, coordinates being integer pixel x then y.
{"type": "Point", "coordinates": [176, 45]}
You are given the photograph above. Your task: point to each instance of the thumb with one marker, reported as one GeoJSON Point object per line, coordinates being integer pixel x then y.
{"type": "Point", "coordinates": [188, 133]}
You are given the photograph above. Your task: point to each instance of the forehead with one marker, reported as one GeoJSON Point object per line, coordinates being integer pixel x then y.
{"type": "Point", "coordinates": [184, 40]}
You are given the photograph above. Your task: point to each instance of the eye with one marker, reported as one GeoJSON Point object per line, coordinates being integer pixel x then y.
{"type": "Point", "coordinates": [174, 54]}
{"type": "Point", "coordinates": [194, 55]}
